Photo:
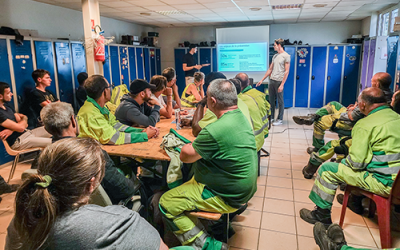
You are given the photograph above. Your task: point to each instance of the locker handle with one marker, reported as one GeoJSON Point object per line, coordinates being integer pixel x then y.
{"type": "Point", "coordinates": [297, 77]}
{"type": "Point", "coordinates": [313, 78]}
{"type": "Point", "coordinates": [345, 77]}
{"type": "Point", "coordinates": [329, 78]}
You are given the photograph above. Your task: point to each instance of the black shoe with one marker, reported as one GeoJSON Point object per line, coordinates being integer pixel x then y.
{"type": "Point", "coordinates": [309, 170]}
{"type": "Point", "coordinates": [336, 235]}
{"type": "Point", "coordinates": [320, 236]}
{"type": "Point", "coordinates": [311, 150]}
{"type": "Point", "coordinates": [354, 203]}
{"type": "Point", "coordinates": [306, 120]}
{"type": "Point", "coordinates": [316, 215]}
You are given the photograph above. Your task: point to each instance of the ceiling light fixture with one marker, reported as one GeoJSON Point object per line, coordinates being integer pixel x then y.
{"type": "Point", "coordinates": [319, 5]}
{"type": "Point", "coordinates": [255, 9]}
{"type": "Point", "coordinates": [171, 12]}
{"type": "Point", "coordinates": [287, 7]}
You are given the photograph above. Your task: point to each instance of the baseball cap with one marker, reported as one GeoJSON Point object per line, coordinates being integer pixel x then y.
{"type": "Point", "coordinates": [139, 85]}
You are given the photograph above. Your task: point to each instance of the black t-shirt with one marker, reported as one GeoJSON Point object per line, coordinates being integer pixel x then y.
{"type": "Point", "coordinates": [38, 96]}
{"type": "Point", "coordinates": [81, 96]}
{"type": "Point", "coordinates": [190, 61]}
{"type": "Point", "coordinates": [8, 113]}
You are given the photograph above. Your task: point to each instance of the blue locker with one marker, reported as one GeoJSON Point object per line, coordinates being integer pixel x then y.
{"type": "Point", "coordinates": [392, 58]}
{"type": "Point", "coordinates": [124, 64]}
{"type": "Point", "coordinates": [132, 63]}
{"type": "Point", "coordinates": [5, 77]}
{"type": "Point", "coordinates": [153, 62]}
{"type": "Point", "coordinates": [106, 64]}
{"type": "Point", "coordinates": [147, 69]}
{"type": "Point", "coordinates": [180, 74]}
{"type": "Point", "coordinates": [139, 63]}
{"type": "Point", "coordinates": [23, 68]}
{"type": "Point", "coordinates": [205, 58]}
{"type": "Point", "coordinates": [350, 77]}
{"type": "Point", "coordinates": [115, 69]}
{"type": "Point", "coordinates": [45, 60]}
{"type": "Point", "coordinates": [318, 73]}
{"type": "Point", "coordinates": [214, 63]}
{"type": "Point", "coordinates": [334, 75]}
{"type": "Point", "coordinates": [303, 76]}
{"type": "Point", "coordinates": [289, 84]}
{"type": "Point", "coordinates": [64, 73]}
{"type": "Point", "coordinates": [158, 61]}
{"type": "Point", "coordinates": [78, 60]}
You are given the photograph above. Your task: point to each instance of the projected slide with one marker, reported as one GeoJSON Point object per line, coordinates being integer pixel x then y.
{"type": "Point", "coordinates": [242, 57]}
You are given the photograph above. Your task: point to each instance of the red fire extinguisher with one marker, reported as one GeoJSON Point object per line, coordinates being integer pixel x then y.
{"type": "Point", "coordinates": [99, 54]}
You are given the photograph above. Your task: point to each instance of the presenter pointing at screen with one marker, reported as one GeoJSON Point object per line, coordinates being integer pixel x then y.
{"type": "Point", "coordinates": [190, 65]}
{"type": "Point", "coordinates": [278, 72]}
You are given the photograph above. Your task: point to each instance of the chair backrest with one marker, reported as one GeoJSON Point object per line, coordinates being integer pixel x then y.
{"type": "Point", "coordinates": [9, 150]}
{"type": "Point", "coordinates": [100, 197]}
{"type": "Point", "coordinates": [395, 192]}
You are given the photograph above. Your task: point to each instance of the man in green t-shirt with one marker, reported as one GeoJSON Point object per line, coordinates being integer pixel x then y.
{"type": "Point", "coordinates": [224, 166]}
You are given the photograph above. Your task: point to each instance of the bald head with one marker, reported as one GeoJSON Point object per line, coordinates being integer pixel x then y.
{"type": "Point", "coordinates": [381, 80]}
{"type": "Point", "coordinates": [370, 99]}
{"type": "Point", "coordinates": [244, 80]}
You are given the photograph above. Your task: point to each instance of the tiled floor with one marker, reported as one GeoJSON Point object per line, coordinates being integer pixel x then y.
{"type": "Point", "coordinates": [272, 219]}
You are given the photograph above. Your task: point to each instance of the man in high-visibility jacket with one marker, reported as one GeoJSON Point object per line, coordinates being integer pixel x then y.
{"type": "Point", "coordinates": [373, 161]}
{"type": "Point", "coordinates": [259, 108]}
{"type": "Point", "coordinates": [96, 121]}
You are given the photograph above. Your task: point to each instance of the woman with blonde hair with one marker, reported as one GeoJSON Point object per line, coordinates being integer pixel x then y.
{"type": "Point", "coordinates": [194, 92]}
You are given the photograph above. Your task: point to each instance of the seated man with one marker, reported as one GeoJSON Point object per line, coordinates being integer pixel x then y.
{"type": "Point", "coordinates": [335, 116]}
{"type": "Point", "coordinates": [194, 92]}
{"type": "Point", "coordinates": [59, 120]}
{"type": "Point", "coordinates": [134, 109]}
{"type": "Point", "coordinates": [224, 170]}
{"type": "Point", "coordinates": [373, 160]}
{"type": "Point", "coordinates": [160, 83]}
{"type": "Point", "coordinates": [81, 92]}
{"type": "Point", "coordinates": [201, 119]}
{"type": "Point", "coordinates": [13, 125]}
{"type": "Point", "coordinates": [170, 74]}
{"type": "Point", "coordinates": [40, 96]}
{"type": "Point", "coordinates": [96, 121]}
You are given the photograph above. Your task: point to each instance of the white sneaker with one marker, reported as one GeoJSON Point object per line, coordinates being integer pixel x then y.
{"type": "Point", "coordinates": [277, 122]}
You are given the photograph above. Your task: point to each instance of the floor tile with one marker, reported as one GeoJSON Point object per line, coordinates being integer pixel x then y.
{"type": "Point", "coordinates": [264, 161]}
{"type": "Point", "coordinates": [263, 171]}
{"type": "Point", "coordinates": [304, 228]}
{"type": "Point", "coordinates": [278, 222]}
{"type": "Point", "coordinates": [260, 191]}
{"type": "Point", "coordinates": [279, 172]}
{"type": "Point", "coordinates": [301, 195]}
{"type": "Point", "coordinates": [272, 240]}
{"type": "Point", "coordinates": [350, 217]}
{"type": "Point", "coordinates": [298, 174]}
{"type": "Point", "coordinates": [299, 205]}
{"type": "Point", "coordinates": [300, 158]}
{"type": "Point", "coordinates": [273, 181]}
{"type": "Point", "coordinates": [303, 184]}
{"type": "Point", "coordinates": [245, 237]}
{"type": "Point", "coordinates": [261, 180]}
{"type": "Point", "coordinates": [279, 193]}
{"type": "Point", "coordinates": [278, 206]}
{"type": "Point", "coordinates": [249, 218]}
{"type": "Point", "coordinates": [256, 203]}
{"type": "Point", "coordinates": [358, 235]}
{"type": "Point", "coordinates": [280, 157]}
{"type": "Point", "coordinates": [279, 164]}
{"type": "Point", "coordinates": [306, 243]}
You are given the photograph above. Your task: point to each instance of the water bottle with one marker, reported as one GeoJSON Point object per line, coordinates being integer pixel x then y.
{"type": "Point", "coordinates": [178, 119]}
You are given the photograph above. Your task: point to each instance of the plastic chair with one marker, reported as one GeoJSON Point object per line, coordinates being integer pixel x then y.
{"type": "Point", "coordinates": [383, 206]}
{"type": "Point", "coordinates": [16, 153]}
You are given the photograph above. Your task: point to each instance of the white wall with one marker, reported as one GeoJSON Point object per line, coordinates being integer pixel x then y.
{"type": "Point", "coordinates": [56, 22]}
{"type": "Point", "coordinates": [365, 26]}
{"type": "Point", "coordinates": [312, 33]}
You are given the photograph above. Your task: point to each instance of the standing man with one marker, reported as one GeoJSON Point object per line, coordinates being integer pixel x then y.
{"type": "Point", "coordinates": [190, 64]}
{"type": "Point", "coordinates": [279, 71]}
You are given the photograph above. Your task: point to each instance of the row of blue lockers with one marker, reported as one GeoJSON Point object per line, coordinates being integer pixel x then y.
{"type": "Point", "coordinates": [65, 60]}
{"type": "Point", "coordinates": [318, 74]}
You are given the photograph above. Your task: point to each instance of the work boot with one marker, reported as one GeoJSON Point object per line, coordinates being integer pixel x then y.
{"type": "Point", "coordinates": [317, 215]}
{"type": "Point", "coordinates": [336, 235]}
{"type": "Point", "coordinates": [311, 150]}
{"type": "Point", "coordinates": [320, 236]}
{"type": "Point", "coordinates": [309, 170]}
{"type": "Point", "coordinates": [354, 202]}
{"type": "Point", "coordinates": [306, 120]}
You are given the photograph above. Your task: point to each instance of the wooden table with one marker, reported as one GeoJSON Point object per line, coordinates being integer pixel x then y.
{"type": "Point", "coordinates": [150, 149]}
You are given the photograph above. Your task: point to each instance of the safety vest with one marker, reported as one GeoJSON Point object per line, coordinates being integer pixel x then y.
{"type": "Point", "coordinates": [375, 146]}
{"type": "Point", "coordinates": [188, 101]}
{"type": "Point", "coordinates": [259, 109]}
{"type": "Point", "coordinates": [100, 124]}
{"type": "Point", "coordinates": [117, 94]}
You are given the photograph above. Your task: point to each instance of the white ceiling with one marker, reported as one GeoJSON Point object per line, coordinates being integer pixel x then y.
{"type": "Point", "coordinates": [217, 12]}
